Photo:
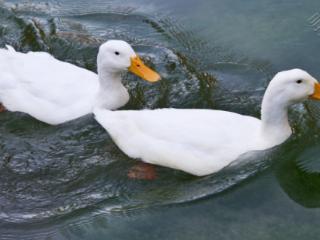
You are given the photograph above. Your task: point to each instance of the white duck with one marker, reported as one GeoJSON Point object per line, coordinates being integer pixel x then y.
{"type": "Point", "coordinates": [202, 142]}
{"type": "Point", "coordinates": [55, 92]}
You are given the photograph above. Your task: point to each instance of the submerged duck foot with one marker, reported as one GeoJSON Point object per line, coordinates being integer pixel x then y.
{"type": "Point", "coordinates": [142, 171]}
{"type": "Point", "coordinates": [2, 108]}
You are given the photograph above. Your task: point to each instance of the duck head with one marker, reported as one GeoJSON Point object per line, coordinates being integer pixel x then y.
{"type": "Point", "coordinates": [293, 86]}
{"type": "Point", "coordinates": [285, 89]}
{"type": "Point", "coordinates": [116, 56]}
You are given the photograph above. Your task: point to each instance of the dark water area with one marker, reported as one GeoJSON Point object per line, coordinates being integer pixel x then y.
{"type": "Point", "coordinates": [70, 181]}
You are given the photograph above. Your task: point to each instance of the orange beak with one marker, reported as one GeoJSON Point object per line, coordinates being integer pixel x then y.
{"type": "Point", "coordinates": [141, 70]}
{"type": "Point", "coordinates": [316, 93]}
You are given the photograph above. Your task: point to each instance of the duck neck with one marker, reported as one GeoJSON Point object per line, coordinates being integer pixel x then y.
{"type": "Point", "coordinates": [274, 116]}
{"type": "Point", "coordinates": [111, 94]}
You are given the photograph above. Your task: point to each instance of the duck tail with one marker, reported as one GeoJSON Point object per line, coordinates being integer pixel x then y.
{"type": "Point", "coordinates": [103, 116]}
{"type": "Point", "coordinates": [10, 48]}
{"type": "Point", "coordinates": [98, 112]}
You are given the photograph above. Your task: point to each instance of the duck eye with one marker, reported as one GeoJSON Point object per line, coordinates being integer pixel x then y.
{"type": "Point", "coordinates": [116, 53]}
{"type": "Point", "coordinates": [299, 81]}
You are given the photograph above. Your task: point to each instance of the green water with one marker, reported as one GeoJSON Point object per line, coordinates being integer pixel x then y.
{"type": "Point", "coordinates": [70, 181]}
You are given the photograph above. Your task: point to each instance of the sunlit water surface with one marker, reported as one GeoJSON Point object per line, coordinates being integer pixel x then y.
{"type": "Point", "coordinates": [70, 181]}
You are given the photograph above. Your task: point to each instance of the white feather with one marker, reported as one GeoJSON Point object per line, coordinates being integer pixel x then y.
{"type": "Point", "coordinates": [55, 92]}
{"type": "Point", "coordinates": [44, 87]}
{"type": "Point", "coordinates": [202, 142]}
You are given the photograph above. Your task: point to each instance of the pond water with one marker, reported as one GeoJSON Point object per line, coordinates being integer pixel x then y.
{"type": "Point", "coordinates": [70, 181]}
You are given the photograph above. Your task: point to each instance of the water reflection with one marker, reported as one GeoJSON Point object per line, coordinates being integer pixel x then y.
{"type": "Point", "coordinates": [299, 176]}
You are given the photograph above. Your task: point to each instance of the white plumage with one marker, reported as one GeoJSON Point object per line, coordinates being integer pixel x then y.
{"type": "Point", "coordinates": [44, 87]}
{"type": "Point", "coordinates": [202, 142]}
{"type": "Point", "coordinates": [54, 92]}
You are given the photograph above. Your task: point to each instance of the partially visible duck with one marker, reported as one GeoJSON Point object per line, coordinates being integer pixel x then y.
{"type": "Point", "coordinates": [201, 142]}
{"type": "Point", "coordinates": [55, 92]}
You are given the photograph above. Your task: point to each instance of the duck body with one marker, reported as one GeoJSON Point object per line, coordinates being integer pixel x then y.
{"type": "Point", "coordinates": [49, 90]}
{"type": "Point", "coordinates": [55, 92]}
{"type": "Point", "coordinates": [201, 142]}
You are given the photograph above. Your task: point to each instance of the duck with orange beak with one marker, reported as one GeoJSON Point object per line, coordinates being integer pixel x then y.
{"type": "Point", "coordinates": [55, 92]}
{"type": "Point", "coordinates": [202, 142]}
